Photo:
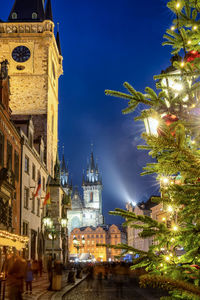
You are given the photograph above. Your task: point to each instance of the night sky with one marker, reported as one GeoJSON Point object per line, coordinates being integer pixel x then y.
{"type": "Point", "coordinates": [104, 43]}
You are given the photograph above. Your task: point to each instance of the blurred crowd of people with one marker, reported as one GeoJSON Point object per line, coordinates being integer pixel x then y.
{"type": "Point", "coordinates": [19, 274]}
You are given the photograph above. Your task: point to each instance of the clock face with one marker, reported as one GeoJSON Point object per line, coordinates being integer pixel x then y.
{"type": "Point", "coordinates": [21, 54]}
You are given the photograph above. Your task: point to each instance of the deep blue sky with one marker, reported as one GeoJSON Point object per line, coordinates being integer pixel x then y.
{"type": "Point", "coordinates": [104, 43]}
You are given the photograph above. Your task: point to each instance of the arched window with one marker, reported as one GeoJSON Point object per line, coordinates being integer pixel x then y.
{"type": "Point", "coordinates": [91, 197]}
{"type": "Point", "coordinates": [14, 15]}
{"type": "Point", "coordinates": [34, 16]}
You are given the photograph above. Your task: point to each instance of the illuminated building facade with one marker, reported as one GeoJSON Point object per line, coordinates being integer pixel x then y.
{"type": "Point", "coordinates": [33, 170]}
{"type": "Point", "coordinates": [28, 42]}
{"type": "Point", "coordinates": [105, 234]}
{"type": "Point", "coordinates": [134, 240]}
{"type": "Point", "coordinates": [87, 211]}
{"type": "Point", "coordinates": [10, 160]}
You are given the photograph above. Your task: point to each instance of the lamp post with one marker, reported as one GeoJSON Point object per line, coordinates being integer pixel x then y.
{"type": "Point", "coordinates": [52, 232]}
{"type": "Point", "coordinates": [77, 244]}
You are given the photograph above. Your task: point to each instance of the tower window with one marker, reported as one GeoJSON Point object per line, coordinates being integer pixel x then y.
{"type": "Point", "coordinates": [91, 197]}
{"type": "Point", "coordinates": [14, 15]}
{"type": "Point", "coordinates": [34, 16]}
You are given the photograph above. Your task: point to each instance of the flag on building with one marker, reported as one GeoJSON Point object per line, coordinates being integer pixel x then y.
{"type": "Point", "coordinates": [38, 191]}
{"type": "Point", "coordinates": [47, 199]}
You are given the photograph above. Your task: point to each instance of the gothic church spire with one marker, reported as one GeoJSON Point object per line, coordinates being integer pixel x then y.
{"type": "Point", "coordinates": [48, 11]}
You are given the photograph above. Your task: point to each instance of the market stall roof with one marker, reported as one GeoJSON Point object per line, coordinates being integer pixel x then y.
{"type": "Point", "coordinates": [13, 240]}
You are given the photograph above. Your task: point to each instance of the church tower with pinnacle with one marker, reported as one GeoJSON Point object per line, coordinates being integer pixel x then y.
{"type": "Point", "coordinates": [92, 192]}
{"type": "Point", "coordinates": [28, 42]}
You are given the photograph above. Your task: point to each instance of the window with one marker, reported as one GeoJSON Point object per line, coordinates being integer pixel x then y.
{"type": "Point", "coordinates": [88, 236]}
{"type": "Point", "coordinates": [91, 216]}
{"type": "Point", "coordinates": [14, 16]}
{"type": "Point", "coordinates": [115, 236]}
{"type": "Point", "coordinates": [92, 236]}
{"type": "Point", "coordinates": [1, 149]}
{"type": "Point", "coordinates": [88, 242]}
{"type": "Point", "coordinates": [38, 207]}
{"type": "Point", "coordinates": [25, 228]}
{"type": "Point", "coordinates": [92, 242]}
{"type": "Point", "coordinates": [9, 156]}
{"type": "Point", "coordinates": [26, 197]}
{"type": "Point", "coordinates": [43, 183]}
{"type": "Point", "coordinates": [33, 205]}
{"type": "Point", "coordinates": [34, 16]}
{"type": "Point", "coordinates": [101, 235]}
{"type": "Point", "coordinates": [33, 171]}
{"type": "Point", "coordinates": [16, 166]}
{"type": "Point", "coordinates": [97, 236]}
{"type": "Point", "coordinates": [91, 197]}
{"type": "Point", "coordinates": [26, 164]}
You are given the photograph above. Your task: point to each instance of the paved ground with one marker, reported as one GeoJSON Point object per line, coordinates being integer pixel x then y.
{"type": "Point", "coordinates": [111, 290]}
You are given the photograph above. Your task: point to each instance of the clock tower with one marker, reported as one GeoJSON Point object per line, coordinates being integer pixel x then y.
{"type": "Point", "coordinates": [28, 42]}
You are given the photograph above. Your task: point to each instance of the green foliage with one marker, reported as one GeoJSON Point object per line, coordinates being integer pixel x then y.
{"type": "Point", "coordinates": [176, 152]}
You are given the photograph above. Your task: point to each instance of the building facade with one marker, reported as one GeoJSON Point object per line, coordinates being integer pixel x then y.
{"type": "Point", "coordinates": [87, 211]}
{"type": "Point", "coordinates": [34, 171]}
{"type": "Point", "coordinates": [134, 239]}
{"type": "Point", "coordinates": [10, 160]}
{"type": "Point", "coordinates": [28, 43]}
{"type": "Point", "coordinates": [105, 234]}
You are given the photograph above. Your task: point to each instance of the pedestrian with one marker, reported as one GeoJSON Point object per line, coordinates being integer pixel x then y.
{"type": "Point", "coordinates": [50, 271]}
{"type": "Point", "coordinates": [40, 264]}
{"type": "Point", "coordinates": [90, 278]}
{"type": "Point", "coordinates": [99, 283]}
{"type": "Point", "coordinates": [29, 277]}
{"type": "Point", "coordinates": [35, 268]}
{"type": "Point", "coordinates": [15, 278]}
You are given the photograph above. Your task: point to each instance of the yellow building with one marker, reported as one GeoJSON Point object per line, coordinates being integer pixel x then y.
{"type": "Point", "coordinates": [28, 42]}
{"type": "Point", "coordinates": [104, 234]}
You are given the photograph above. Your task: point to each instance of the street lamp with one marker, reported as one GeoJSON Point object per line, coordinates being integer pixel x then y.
{"type": "Point", "coordinates": [52, 231]}
{"type": "Point", "coordinates": [151, 125]}
{"type": "Point", "coordinates": [77, 244]}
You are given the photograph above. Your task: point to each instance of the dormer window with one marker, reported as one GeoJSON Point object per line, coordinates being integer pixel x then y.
{"type": "Point", "coordinates": [34, 16]}
{"type": "Point", "coordinates": [14, 15]}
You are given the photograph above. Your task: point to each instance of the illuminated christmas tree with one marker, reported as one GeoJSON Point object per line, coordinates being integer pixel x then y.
{"type": "Point", "coordinates": [172, 119]}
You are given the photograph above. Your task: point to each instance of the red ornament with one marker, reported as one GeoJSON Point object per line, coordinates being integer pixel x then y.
{"type": "Point", "coordinates": [192, 55]}
{"type": "Point", "coordinates": [168, 119]}
{"type": "Point", "coordinates": [195, 266]}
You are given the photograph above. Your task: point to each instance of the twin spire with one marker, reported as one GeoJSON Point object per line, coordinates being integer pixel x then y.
{"type": "Point", "coordinates": [31, 11]}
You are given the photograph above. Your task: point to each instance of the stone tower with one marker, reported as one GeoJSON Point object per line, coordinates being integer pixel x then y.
{"type": "Point", "coordinates": [28, 42]}
{"type": "Point", "coordinates": [92, 192]}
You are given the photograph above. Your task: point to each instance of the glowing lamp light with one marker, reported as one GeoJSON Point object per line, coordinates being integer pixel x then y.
{"type": "Point", "coordinates": [134, 203]}
{"type": "Point", "coordinates": [161, 265]}
{"type": "Point", "coordinates": [182, 64]}
{"type": "Point", "coordinates": [167, 258]}
{"type": "Point", "coordinates": [163, 219]}
{"type": "Point", "coordinates": [189, 42]}
{"type": "Point", "coordinates": [151, 125]}
{"type": "Point", "coordinates": [165, 180]}
{"type": "Point", "coordinates": [170, 208]}
{"type": "Point", "coordinates": [175, 228]}
{"type": "Point", "coordinates": [47, 222]}
{"type": "Point", "coordinates": [177, 86]}
{"type": "Point", "coordinates": [195, 27]}
{"type": "Point", "coordinates": [173, 28]}
{"type": "Point", "coordinates": [178, 5]}
{"type": "Point", "coordinates": [63, 223]}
